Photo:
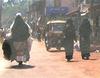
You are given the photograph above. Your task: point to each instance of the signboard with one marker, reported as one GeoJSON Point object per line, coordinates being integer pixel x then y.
{"type": "Point", "coordinates": [56, 11]}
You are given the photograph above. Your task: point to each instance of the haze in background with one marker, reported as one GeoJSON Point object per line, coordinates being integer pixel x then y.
{"type": "Point", "coordinates": [5, 0]}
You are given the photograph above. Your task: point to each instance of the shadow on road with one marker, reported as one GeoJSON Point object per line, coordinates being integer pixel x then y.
{"type": "Point", "coordinates": [73, 61]}
{"type": "Point", "coordinates": [93, 59]}
{"type": "Point", "coordinates": [54, 51]}
{"type": "Point", "coordinates": [24, 66]}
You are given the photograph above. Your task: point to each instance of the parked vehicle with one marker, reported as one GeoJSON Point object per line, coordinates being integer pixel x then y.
{"type": "Point", "coordinates": [54, 34]}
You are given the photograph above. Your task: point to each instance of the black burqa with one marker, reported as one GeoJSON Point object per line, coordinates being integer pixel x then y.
{"type": "Point", "coordinates": [85, 31]}
{"type": "Point", "coordinates": [20, 30]}
{"type": "Point", "coordinates": [69, 39]}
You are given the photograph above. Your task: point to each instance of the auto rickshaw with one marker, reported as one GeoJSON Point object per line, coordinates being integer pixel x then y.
{"type": "Point", "coordinates": [54, 34]}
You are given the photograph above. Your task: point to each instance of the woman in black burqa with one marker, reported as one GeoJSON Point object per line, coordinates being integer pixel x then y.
{"type": "Point", "coordinates": [85, 32]}
{"type": "Point", "coordinates": [20, 30]}
{"type": "Point", "coordinates": [19, 33]}
{"type": "Point", "coordinates": [69, 39]}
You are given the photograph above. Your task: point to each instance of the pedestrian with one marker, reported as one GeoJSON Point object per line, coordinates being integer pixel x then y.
{"type": "Point", "coordinates": [6, 47]}
{"type": "Point", "coordinates": [38, 33]}
{"type": "Point", "coordinates": [85, 31]}
{"type": "Point", "coordinates": [69, 39]}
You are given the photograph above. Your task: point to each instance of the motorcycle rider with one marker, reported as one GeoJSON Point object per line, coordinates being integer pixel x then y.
{"type": "Point", "coordinates": [20, 33]}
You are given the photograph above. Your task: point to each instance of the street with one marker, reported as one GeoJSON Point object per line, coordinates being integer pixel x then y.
{"type": "Point", "coordinates": [44, 64]}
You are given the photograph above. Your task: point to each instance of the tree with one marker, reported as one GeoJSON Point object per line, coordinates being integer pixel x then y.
{"type": "Point", "coordinates": [0, 11]}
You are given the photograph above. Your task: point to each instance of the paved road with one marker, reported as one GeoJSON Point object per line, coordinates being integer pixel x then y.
{"type": "Point", "coordinates": [45, 64]}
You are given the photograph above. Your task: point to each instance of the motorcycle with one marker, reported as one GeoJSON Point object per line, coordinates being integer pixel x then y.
{"type": "Point", "coordinates": [20, 58]}
{"type": "Point", "coordinates": [21, 52]}
{"type": "Point", "coordinates": [17, 50]}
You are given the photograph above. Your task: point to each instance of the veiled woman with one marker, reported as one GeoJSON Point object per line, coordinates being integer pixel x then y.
{"type": "Point", "coordinates": [69, 39]}
{"type": "Point", "coordinates": [85, 32]}
{"type": "Point", "coordinates": [20, 32]}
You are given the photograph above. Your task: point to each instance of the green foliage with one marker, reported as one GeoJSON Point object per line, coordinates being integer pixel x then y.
{"type": "Point", "coordinates": [9, 12]}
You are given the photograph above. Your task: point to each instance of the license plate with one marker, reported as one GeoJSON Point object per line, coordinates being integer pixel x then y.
{"type": "Point", "coordinates": [21, 58]}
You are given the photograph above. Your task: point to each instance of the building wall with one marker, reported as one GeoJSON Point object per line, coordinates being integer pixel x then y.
{"type": "Point", "coordinates": [49, 3]}
{"type": "Point", "coordinates": [60, 2]}
{"type": "Point", "coordinates": [57, 3]}
{"type": "Point", "coordinates": [53, 3]}
{"type": "Point", "coordinates": [71, 4]}
{"type": "Point", "coordinates": [68, 3]}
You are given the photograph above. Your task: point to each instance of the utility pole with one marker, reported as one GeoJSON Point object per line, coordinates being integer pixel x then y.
{"type": "Point", "coordinates": [0, 12]}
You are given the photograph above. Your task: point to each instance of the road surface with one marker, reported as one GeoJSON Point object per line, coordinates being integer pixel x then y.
{"type": "Point", "coordinates": [44, 64]}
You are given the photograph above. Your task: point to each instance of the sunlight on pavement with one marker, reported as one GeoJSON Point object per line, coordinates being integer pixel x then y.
{"type": "Point", "coordinates": [3, 65]}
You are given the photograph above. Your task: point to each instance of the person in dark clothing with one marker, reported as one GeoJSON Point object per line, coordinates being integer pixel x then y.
{"type": "Point", "coordinates": [6, 47]}
{"type": "Point", "coordinates": [38, 34]}
{"type": "Point", "coordinates": [6, 50]}
{"type": "Point", "coordinates": [85, 31]}
{"type": "Point", "coordinates": [20, 33]}
{"type": "Point", "coordinates": [69, 39]}
{"type": "Point", "coordinates": [17, 44]}
{"type": "Point", "coordinates": [20, 30]}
